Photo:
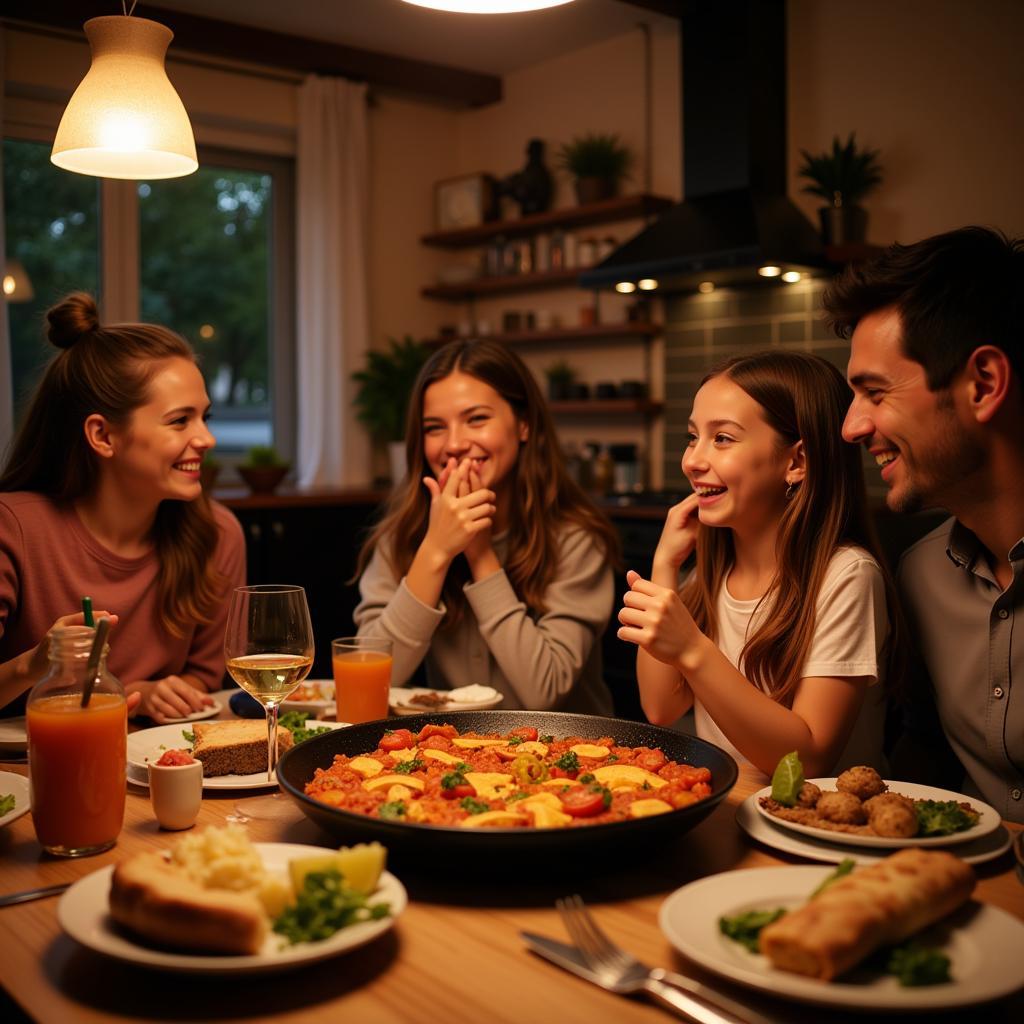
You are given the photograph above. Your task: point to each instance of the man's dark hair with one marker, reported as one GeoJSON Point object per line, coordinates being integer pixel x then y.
{"type": "Point", "coordinates": [953, 292]}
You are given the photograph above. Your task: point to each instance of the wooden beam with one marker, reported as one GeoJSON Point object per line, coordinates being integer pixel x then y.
{"type": "Point", "coordinates": [311, 56]}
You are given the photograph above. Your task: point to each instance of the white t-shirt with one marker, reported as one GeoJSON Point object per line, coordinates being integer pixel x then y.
{"type": "Point", "coordinates": [849, 634]}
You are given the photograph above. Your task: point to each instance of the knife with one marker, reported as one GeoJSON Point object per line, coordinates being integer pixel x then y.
{"type": "Point", "coordinates": [33, 894]}
{"type": "Point", "coordinates": [696, 1002]}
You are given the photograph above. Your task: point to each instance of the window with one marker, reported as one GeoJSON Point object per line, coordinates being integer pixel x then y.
{"type": "Point", "coordinates": [214, 262]}
{"type": "Point", "coordinates": [52, 224]}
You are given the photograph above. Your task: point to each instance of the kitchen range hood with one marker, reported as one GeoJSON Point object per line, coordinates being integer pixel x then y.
{"type": "Point", "coordinates": [736, 218]}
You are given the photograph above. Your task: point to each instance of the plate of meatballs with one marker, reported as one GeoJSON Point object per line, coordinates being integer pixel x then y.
{"type": "Point", "coordinates": [860, 808]}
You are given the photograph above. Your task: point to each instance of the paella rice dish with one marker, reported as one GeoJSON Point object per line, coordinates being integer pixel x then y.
{"type": "Point", "coordinates": [519, 779]}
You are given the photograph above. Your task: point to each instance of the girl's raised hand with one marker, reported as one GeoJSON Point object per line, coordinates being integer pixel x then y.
{"type": "Point", "coordinates": [678, 535]}
{"type": "Point", "coordinates": [457, 511]}
{"type": "Point", "coordinates": [656, 619]}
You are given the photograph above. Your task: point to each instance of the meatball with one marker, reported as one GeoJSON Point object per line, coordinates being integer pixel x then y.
{"type": "Point", "coordinates": [871, 806]}
{"type": "Point", "coordinates": [842, 808]}
{"type": "Point", "coordinates": [808, 795]}
{"type": "Point", "coordinates": [894, 819]}
{"type": "Point", "coordinates": [863, 782]}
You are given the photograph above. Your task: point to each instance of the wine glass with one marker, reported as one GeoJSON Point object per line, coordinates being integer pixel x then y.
{"type": "Point", "coordinates": [268, 646]}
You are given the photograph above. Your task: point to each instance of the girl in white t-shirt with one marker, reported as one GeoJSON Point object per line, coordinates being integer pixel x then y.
{"type": "Point", "coordinates": [777, 637]}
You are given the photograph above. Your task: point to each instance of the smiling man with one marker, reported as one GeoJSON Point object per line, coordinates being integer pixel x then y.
{"type": "Point", "coordinates": [937, 370]}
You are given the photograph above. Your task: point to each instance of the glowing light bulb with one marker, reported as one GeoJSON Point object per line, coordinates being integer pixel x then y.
{"type": "Point", "coordinates": [706, 287]}
{"type": "Point", "coordinates": [792, 276]}
{"type": "Point", "coordinates": [769, 270]}
{"type": "Point", "coordinates": [625, 287]}
{"type": "Point", "coordinates": [647, 284]}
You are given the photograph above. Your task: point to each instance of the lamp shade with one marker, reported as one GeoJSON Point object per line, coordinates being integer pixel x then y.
{"type": "Point", "coordinates": [16, 284]}
{"type": "Point", "coordinates": [125, 120]}
{"type": "Point", "coordinates": [488, 6]}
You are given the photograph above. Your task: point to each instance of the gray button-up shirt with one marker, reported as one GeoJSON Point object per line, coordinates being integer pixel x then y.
{"type": "Point", "coordinates": [971, 635]}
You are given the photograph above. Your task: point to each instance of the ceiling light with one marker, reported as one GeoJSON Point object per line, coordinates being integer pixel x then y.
{"type": "Point", "coordinates": [792, 276]}
{"type": "Point", "coordinates": [125, 120]}
{"type": "Point", "coordinates": [769, 270]}
{"type": "Point", "coordinates": [625, 287]}
{"type": "Point", "coordinates": [488, 6]}
{"type": "Point", "coordinates": [706, 287]}
{"type": "Point", "coordinates": [647, 284]}
{"type": "Point", "coordinates": [16, 284]}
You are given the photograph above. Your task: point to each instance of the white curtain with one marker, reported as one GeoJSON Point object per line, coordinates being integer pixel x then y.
{"type": "Point", "coordinates": [6, 384]}
{"type": "Point", "coordinates": [333, 320]}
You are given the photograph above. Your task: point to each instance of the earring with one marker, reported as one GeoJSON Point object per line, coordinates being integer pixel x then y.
{"type": "Point", "coordinates": [789, 490]}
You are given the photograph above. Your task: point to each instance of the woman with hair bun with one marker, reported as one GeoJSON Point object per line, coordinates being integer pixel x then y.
{"type": "Point", "coordinates": [490, 563]}
{"type": "Point", "coordinates": [100, 495]}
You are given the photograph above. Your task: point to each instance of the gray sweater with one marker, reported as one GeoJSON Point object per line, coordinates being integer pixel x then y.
{"type": "Point", "coordinates": [539, 662]}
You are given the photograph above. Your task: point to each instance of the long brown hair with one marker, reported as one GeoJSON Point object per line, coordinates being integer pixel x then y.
{"type": "Point", "coordinates": [107, 370]}
{"type": "Point", "coordinates": [802, 398]}
{"type": "Point", "coordinates": [546, 497]}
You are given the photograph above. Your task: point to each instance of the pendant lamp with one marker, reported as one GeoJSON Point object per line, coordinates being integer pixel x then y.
{"type": "Point", "coordinates": [125, 120]}
{"type": "Point", "coordinates": [488, 6]}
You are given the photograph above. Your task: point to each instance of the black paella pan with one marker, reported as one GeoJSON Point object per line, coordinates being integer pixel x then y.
{"type": "Point", "coordinates": [297, 766]}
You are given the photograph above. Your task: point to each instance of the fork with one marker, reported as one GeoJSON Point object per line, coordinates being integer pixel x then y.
{"type": "Point", "coordinates": [619, 971]}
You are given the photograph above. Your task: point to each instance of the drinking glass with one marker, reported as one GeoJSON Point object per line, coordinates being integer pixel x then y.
{"type": "Point", "coordinates": [268, 645]}
{"type": "Point", "coordinates": [362, 677]}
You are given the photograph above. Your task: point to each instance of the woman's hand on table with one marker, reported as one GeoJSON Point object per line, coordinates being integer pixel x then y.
{"type": "Point", "coordinates": [458, 511]}
{"type": "Point", "coordinates": [168, 698]}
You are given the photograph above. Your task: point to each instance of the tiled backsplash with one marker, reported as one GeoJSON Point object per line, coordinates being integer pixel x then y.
{"type": "Point", "coordinates": [703, 330]}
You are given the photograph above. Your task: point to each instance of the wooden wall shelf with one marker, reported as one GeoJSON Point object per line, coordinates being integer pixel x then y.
{"type": "Point", "coordinates": [605, 212]}
{"type": "Point", "coordinates": [502, 285]}
{"type": "Point", "coordinates": [607, 407]}
{"type": "Point", "coordinates": [596, 332]}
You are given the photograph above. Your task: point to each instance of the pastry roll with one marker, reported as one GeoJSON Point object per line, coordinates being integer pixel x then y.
{"type": "Point", "coordinates": [874, 906]}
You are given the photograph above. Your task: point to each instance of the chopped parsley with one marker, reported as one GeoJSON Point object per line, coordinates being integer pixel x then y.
{"type": "Point", "coordinates": [516, 796]}
{"type": "Point", "coordinates": [588, 777]}
{"type": "Point", "coordinates": [606, 794]}
{"type": "Point", "coordinates": [453, 779]}
{"type": "Point", "coordinates": [547, 739]}
{"type": "Point", "coordinates": [391, 811]}
{"type": "Point", "coordinates": [325, 906]}
{"type": "Point", "coordinates": [408, 767]}
{"type": "Point", "coordinates": [6, 804]}
{"type": "Point", "coordinates": [514, 741]}
{"type": "Point", "coordinates": [190, 737]}
{"type": "Point", "coordinates": [612, 757]}
{"type": "Point", "coordinates": [568, 762]}
{"type": "Point", "coordinates": [473, 806]}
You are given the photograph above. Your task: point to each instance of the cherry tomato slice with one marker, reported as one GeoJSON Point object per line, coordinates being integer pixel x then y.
{"type": "Point", "coordinates": [400, 739]}
{"type": "Point", "coordinates": [463, 789]}
{"type": "Point", "coordinates": [582, 803]}
{"type": "Point", "coordinates": [561, 773]}
{"type": "Point", "coordinates": [526, 733]}
{"type": "Point", "coordinates": [438, 730]}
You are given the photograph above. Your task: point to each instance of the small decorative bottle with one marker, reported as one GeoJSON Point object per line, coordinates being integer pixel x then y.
{"type": "Point", "coordinates": [77, 754]}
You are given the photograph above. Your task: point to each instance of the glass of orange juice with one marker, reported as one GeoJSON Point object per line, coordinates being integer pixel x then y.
{"type": "Point", "coordinates": [362, 677]}
{"type": "Point", "coordinates": [77, 755]}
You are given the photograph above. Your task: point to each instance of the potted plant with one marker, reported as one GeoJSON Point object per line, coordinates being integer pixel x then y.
{"type": "Point", "coordinates": [263, 469]}
{"type": "Point", "coordinates": [209, 469]}
{"type": "Point", "coordinates": [382, 399]}
{"type": "Point", "coordinates": [598, 162]}
{"type": "Point", "coordinates": [842, 178]}
{"type": "Point", "coordinates": [560, 376]}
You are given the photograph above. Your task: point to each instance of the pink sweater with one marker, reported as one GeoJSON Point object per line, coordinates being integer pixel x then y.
{"type": "Point", "coordinates": [48, 561]}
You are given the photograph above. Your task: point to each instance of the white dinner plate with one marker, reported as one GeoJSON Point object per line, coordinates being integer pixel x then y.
{"type": "Point", "coordinates": [763, 828]}
{"type": "Point", "coordinates": [315, 706]}
{"type": "Point", "coordinates": [82, 913]}
{"type": "Point", "coordinates": [988, 822]}
{"type": "Point", "coordinates": [16, 785]}
{"type": "Point", "coordinates": [13, 735]}
{"type": "Point", "coordinates": [148, 745]}
{"type": "Point", "coordinates": [983, 945]}
{"type": "Point", "coordinates": [400, 701]}
{"type": "Point", "coordinates": [197, 716]}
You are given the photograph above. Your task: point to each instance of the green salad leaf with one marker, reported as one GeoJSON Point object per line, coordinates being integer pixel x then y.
{"type": "Point", "coordinates": [325, 906]}
{"type": "Point", "coordinates": [746, 928]}
{"type": "Point", "coordinates": [941, 817]}
{"type": "Point", "coordinates": [295, 723]}
{"type": "Point", "coordinates": [846, 865]}
{"type": "Point", "coordinates": [787, 779]}
{"type": "Point", "coordinates": [6, 804]}
{"type": "Point", "coordinates": [913, 965]}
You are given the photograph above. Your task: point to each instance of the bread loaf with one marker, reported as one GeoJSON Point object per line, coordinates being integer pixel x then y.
{"type": "Point", "coordinates": [874, 906]}
{"type": "Point", "coordinates": [158, 900]}
{"type": "Point", "coordinates": [235, 747]}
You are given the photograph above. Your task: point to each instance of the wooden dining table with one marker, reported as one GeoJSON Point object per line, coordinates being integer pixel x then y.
{"type": "Point", "coordinates": [455, 955]}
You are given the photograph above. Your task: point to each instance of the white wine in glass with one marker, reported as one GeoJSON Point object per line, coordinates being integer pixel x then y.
{"type": "Point", "coordinates": [268, 646]}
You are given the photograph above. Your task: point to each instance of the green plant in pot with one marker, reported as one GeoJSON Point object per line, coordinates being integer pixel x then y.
{"type": "Point", "coordinates": [598, 162]}
{"type": "Point", "coordinates": [842, 177]}
{"type": "Point", "coordinates": [263, 469]}
{"type": "Point", "coordinates": [209, 469]}
{"type": "Point", "coordinates": [560, 376]}
{"type": "Point", "coordinates": [382, 398]}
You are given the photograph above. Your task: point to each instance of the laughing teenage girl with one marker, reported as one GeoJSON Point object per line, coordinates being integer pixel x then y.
{"type": "Point", "coordinates": [490, 563]}
{"type": "Point", "coordinates": [776, 639]}
{"type": "Point", "coordinates": [101, 496]}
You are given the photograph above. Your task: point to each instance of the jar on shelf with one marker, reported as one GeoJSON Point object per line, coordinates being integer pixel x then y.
{"type": "Point", "coordinates": [556, 251]}
{"type": "Point", "coordinates": [77, 753]}
{"type": "Point", "coordinates": [586, 252]}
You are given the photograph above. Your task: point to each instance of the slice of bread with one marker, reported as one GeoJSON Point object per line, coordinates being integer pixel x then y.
{"type": "Point", "coordinates": [235, 748]}
{"type": "Point", "coordinates": [158, 900]}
